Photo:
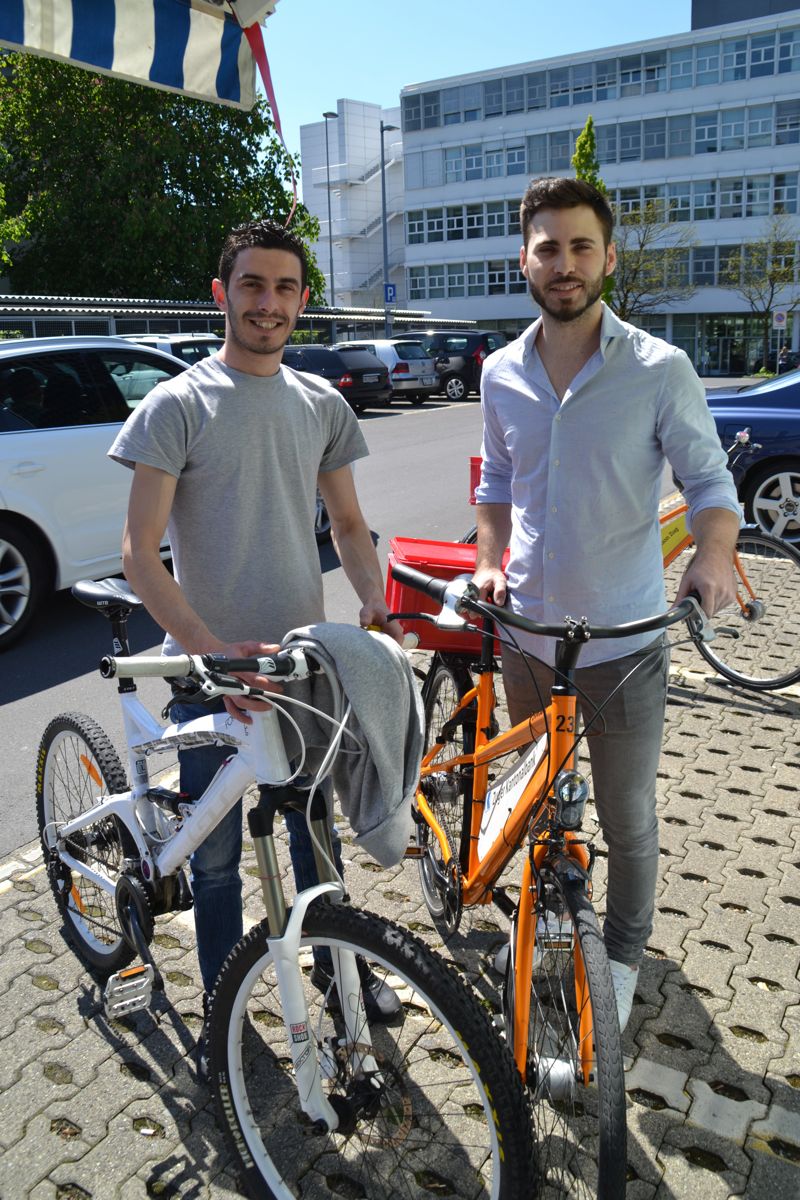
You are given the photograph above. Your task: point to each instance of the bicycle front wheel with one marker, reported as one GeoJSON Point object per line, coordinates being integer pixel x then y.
{"type": "Point", "coordinates": [447, 1114]}
{"type": "Point", "coordinates": [75, 767]}
{"type": "Point", "coordinates": [580, 1129]}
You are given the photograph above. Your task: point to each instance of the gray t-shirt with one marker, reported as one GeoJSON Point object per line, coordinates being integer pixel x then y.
{"type": "Point", "coordinates": [246, 451]}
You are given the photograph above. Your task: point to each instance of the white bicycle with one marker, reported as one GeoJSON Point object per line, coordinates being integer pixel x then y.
{"type": "Point", "coordinates": [313, 1099]}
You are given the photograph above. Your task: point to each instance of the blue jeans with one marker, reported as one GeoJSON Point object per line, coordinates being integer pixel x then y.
{"type": "Point", "coordinates": [216, 882]}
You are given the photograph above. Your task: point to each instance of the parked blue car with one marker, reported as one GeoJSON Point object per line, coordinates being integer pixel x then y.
{"type": "Point", "coordinates": [768, 480]}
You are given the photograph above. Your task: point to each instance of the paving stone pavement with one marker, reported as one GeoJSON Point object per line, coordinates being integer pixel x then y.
{"type": "Point", "coordinates": [92, 1108]}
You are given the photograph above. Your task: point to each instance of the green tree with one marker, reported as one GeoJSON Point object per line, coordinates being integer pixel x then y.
{"type": "Point", "coordinates": [762, 272]}
{"type": "Point", "coordinates": [652, 268]}
{"type": "Point", "coordinates": [114, 189]}
{"type": "Point", "coordinates": [586, 166]}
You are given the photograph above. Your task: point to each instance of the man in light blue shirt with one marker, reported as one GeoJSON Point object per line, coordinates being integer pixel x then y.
{"type": "Point", "coordinates": [579, 416]}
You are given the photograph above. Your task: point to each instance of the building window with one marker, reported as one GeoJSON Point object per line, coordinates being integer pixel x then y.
{"type": "Point", "coordinates": [415, 227]}
{"type": "Point", "coordinates": [655, 199]}
{"type": "Point", "coordinates": [453, 164]}
{"type": "Point", "coordinates": [451, 106]}
{"type": "Point", "coordinates": [476, 279]}
{"type": "Point", "coordinates": [412, 113]}
{"type": "Point", "coordinates": [455, 224]}
{"type": "Point", "coordinates": [655, 138]}
{"type": "Point", "coordinates": [431, 116]}
{"type": "Point", "coordinates": [757, 196]}
{"type": "Point", "coordinates": [455, 279]}
{"type": "Point", "coordinates": [606, 79]}
{"type": "Point", "coordinates": [559, 87]}
{"type": "Point", "coordinates": [704, 265]}
{"type": "Point", "coordinates": [680, 136]}
{"type": "Point", "coordinates": [630, 75]}
{"type": "Point", "coordinates": [762, 55]}
{"type": "Point", "coordinates": [787, 122]}
{"type": "Point", "coordinates": [494, 164]}
{"type": "Point", "coordinates": [515, 160]}
{"type": "Point", "coordinates": [630, 141]}
{"type": "Point", "coordinates": [707, 63]}
{"type": "Point", "coordinates": [655, 71]}
{"type": "Point", "coordinates": [537, 154]}
{"type": "Point", "coordinates": [496, 219]}
{"type": "Point", "coordinates": [416, 283]}
{"type": "Point", "coordinates": [730, 264]}
{"type": "Point", "coordinates": [473, 162]}
{"type": "Point", "coordinates": [679, 201]}
{"type": "Point", "coordinates": [606, 140]}
{"type": "Point", "coordinates": [471, 94]}
{"type": "Point", "coordinates": [629, 203]}
{"type": "Point", "coordinates": [681, 68]}
{"type": "Point", "coordinates": [496, 269]}
{"type": "Point", "coordinates": [512, 216]}
{"type": "Point", "coordinates": [788, 51]}
{"type": "Point", "coordinates": [731, 198]}
{"type": "Point", "coordinates": [731, 133]}
{"type": "Point", "coordinates": [474, 221]}
{"type": "Point", "coordinates": [759, 125]}
{"type": "Point", "coordinates": [514, 88]}
{"type": "Point", "coordinates": [435, 223]}
{"type": "Point", "coordinates": [517, 283]}
{"type": "Point", "coordinates": [582, 83]}
{"type": "Point", "coordinates": [734, 59]}
{"type": "Point", "coordinates": [560, 150]}
{"type": "Point", "coordinates": [706, 135]}
{"type": "Point", "coordinates": [436, 283]}
{"type": "Point", "coordinates": [536, 90]}
{"type": "Point", "coordinates": [785, 193]}
{"type": "Point", "coordinates": [704, 197]}
{"type": "Point", "coordinates": [493, 98]}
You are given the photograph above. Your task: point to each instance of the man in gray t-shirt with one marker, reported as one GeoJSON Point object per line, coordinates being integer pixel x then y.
{"type": "Point", "coordinates": [227, 457]}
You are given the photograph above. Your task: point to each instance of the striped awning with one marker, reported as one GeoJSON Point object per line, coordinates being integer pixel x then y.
{"type": "Point", "coordinates": [194, 47]}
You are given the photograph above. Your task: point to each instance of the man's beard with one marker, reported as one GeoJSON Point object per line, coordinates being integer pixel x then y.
{"type": "Point", "coordinates": [593, 292]}
{"type": "Point", "coordinates": [270, 343]}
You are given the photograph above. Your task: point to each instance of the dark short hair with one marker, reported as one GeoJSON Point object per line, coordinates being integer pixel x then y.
{"type": "Point", "coordinates": [552, 192]}
{"type": "Point", "coordinates": [266, 234]}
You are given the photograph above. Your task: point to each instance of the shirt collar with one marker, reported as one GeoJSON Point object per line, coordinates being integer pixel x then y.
{"type": "Point", "coordinates": [610, 327]}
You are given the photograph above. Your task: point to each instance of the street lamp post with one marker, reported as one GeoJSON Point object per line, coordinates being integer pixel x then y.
{"type": "Point", "coordinates": [387, 316]}
{"type": "Point", "coordinates": [330, 116]}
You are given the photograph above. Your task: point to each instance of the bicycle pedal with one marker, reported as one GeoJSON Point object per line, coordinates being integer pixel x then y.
{"type": "Point", "coordinates": [415, 852]}
{"type": "Point", "coordinates": [128, 991]}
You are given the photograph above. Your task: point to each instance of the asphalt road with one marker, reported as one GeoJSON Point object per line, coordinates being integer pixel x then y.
{"type": "Point", "coordinates": [415, 483]}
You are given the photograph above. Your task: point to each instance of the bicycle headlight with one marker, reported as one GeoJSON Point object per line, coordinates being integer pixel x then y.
{"type": "Point", "coordinates": [570, 791]}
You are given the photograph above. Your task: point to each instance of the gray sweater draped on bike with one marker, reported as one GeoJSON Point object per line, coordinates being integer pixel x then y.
{"type": "Point", "coordinates": [375, 778]}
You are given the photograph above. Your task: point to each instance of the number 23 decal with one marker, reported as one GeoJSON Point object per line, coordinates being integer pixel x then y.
{"type": "Point", "coordinates": [565, 724]}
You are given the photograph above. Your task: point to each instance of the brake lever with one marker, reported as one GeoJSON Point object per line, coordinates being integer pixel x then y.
{"type": "Point", "coordinates": [698, 623]}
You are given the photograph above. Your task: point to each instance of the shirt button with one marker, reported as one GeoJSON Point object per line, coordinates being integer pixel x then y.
{"type": "Point", "coordinates": [551, 599]}
{"type": "Point", "coordinates": [554, 508]}
{"type": "Point", "coordinates": [558, 416]}
{"type": "Point", "coordinates": [551, 554]}
{"type": "Point", "coordinates": [557, 462]}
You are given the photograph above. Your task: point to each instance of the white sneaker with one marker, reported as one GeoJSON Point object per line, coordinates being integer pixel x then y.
{"type": "Point", "coordinates": [624, 978]}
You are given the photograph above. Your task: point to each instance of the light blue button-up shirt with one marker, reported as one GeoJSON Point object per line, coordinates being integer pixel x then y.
{"type": "Point", "coordinates": [583, 476]}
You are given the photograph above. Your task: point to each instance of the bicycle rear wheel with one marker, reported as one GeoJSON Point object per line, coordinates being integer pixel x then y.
{"type": "Point", "coordinates": [448, 795]}
{"type": "Point", "coordinates": [758, 645]}
{"type": "Point", "coordinates": [580, 1130]}
{"type": "Point", "coordinates": [447, 1116]}
{"type": "Point", "coordinates": [76, 766]}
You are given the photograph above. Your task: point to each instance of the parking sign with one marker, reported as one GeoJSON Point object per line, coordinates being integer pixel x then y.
{"type": "Point", "coordinates": [389, 293]}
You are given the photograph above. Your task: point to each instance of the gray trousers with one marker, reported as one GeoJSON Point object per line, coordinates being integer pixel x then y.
{"type": "Point", "coordinates": [624, 747]}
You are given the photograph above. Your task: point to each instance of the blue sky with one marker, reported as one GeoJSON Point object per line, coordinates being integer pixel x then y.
{"type": "Point", "coordinates": [321, 50]}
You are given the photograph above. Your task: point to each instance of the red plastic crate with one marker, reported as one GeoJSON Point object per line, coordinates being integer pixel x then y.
{"type": "Point", "coordinates": [474, 475]}
{"type": "Point", "coordinates": [445, 560]}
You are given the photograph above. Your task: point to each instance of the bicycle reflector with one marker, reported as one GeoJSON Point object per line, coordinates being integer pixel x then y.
{"type": "Point", "coordinates": [570, 792]}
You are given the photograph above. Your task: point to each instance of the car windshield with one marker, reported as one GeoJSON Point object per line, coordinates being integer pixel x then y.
{"type": "Point", "coordinates": [409, 350]}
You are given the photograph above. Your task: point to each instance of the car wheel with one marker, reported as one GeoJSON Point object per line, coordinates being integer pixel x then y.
{"type": "Point", "coordinates": [417, 399]}
{"type": "Point", "coordinates": [455, 388]}
{"type": "Point", "coordinates": [23, 581]}
{"type": "Point", "coordinates": [322, 522]}
{"type": "Point", "coordinates": [772, 499]}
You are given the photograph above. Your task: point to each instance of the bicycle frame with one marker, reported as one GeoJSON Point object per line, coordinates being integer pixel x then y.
{"type": "Point", "coordinates": [260, 756]}
{"type": "Point", "coordinates": [553, 732]}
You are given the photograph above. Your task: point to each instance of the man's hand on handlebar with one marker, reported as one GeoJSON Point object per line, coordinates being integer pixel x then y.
{"type": "Point", "coordinates": [373, 616]}
{"type": "Point", "coordinates": [237, 706]}
{"type": "Point", "coordinates": [491, 585]}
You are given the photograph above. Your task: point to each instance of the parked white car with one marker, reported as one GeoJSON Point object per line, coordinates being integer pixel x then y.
{"type": "Point", "coordinates": [62, 501]}
{"type": "Point", "coordinates": [412, 373]}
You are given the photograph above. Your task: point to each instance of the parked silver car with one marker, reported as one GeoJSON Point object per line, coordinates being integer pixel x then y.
{"type": "Point", "coordinates": [412, 373]}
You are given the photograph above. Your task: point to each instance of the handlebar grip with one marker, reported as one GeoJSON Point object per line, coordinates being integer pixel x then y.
{"type": "Point", "coordinates": [429, 584]}
{"type": "Point", "coordinates": [138, 666]}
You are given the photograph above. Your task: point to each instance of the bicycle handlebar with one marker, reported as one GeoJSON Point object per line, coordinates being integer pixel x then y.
{"type": "Point", "coordinates": [286, 664]}
{"type": "Point", "coordinates": [461, 596]}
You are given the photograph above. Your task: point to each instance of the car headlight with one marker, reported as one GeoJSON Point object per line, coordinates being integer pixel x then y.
{"type": "Point", "coordinates": [570, 792]}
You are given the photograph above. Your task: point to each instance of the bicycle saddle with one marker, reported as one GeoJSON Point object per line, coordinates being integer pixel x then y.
{"type": "Point", "coordinates": [111, 597]}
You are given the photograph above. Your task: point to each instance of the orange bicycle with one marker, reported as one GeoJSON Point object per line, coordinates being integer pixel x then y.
{"type": "Point", "coordinates": [482, 795]}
